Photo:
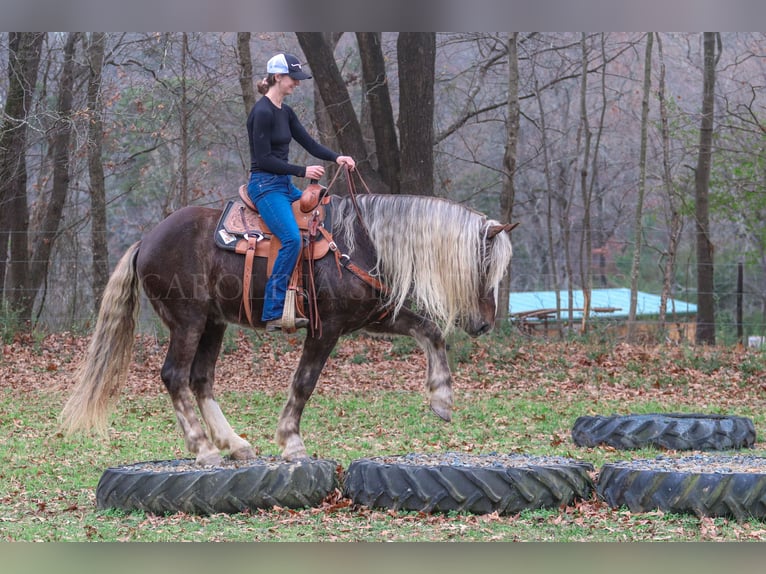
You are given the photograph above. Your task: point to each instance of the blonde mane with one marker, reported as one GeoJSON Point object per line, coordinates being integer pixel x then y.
{"type": "Point", "coordinates": [430, 251]}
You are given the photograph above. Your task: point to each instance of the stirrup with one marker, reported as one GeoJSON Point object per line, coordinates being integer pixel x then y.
{"type": "Point", "coordinates": [276, 324]}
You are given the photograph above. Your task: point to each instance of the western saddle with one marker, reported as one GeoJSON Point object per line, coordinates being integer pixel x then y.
{"type": "Point", "coordinates": [242, 230]}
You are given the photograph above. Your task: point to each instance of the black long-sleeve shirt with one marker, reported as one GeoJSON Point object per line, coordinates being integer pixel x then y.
{"type": "Point", "coordinates": [270, 130]}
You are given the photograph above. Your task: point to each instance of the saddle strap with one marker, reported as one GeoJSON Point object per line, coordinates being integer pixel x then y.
{"type": "Point", "coordinates": [249, 257]}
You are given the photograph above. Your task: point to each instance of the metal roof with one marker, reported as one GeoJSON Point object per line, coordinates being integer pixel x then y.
{"type": "Point", "coordinates": [619, 299]}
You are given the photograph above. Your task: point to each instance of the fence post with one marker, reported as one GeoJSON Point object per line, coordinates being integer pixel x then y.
{"type": "Point", "coordinates": [740, 288]}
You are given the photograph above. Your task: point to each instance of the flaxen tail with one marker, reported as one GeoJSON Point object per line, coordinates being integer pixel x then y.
{"type": "Point", "coordinates": [104, 369]}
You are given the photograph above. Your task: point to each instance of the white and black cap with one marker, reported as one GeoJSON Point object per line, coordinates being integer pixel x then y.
{"type": "Point", "coordinates": [286, 64]}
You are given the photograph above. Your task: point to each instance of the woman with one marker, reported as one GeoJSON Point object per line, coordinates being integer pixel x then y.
{"type": "Point", "coordinates": [271, 126]}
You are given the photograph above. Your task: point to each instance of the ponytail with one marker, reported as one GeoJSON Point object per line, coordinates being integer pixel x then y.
{"type": "Point", "coordinates": [264, 84]}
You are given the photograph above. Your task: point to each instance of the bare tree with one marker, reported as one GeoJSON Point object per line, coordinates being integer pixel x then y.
{"type": "Point", "coordinates": [336, 100]}
{"type": "Point", "coordinates": [416, 56]}
{"type": "Point", "coordinates": [586, 247]}
{"type": "Point", "coordinates": [100, 252]}
{"type": "Point", "coordinates": [23, 63]}
{"type": "Point", "coordinates": [245, 70]}
{"type": "Point", "coordinates": [416, 104]}
{"type": "Point", "coordinates": [61, 136]}
{"type": "Point", "coordinates": [705, 330]}
{"type": "Point", "coordinates": [675, 220]}
{"type": "Point", "coordinates": [637, 220]}
{"type": "Point", "coordinates": [381, 111]}
{"type": "Point", "coordinates": [549, 207]}
{"type": "Point", "coordinates": [508, 194]}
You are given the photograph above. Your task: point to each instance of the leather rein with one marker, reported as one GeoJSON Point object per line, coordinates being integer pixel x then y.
{"type": "Point", "coordinates": [342, 260]}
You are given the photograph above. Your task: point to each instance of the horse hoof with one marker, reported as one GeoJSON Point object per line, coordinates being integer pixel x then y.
{"type": "Point", "coordinates": [444, 413]}
{"type": "Point", "coordinates": [244, 453]}
{"type": "Point", "coordinates": [441, 403]}
{"type": "Point", "coordinates": [293, 448]}
{"type": "Point", "coordinates": [209, 459]}
{"type": "Point", "coordinates": [293, 455]}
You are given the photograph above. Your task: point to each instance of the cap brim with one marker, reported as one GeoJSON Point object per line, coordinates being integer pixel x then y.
{"type": "Point", "coordinates": [299, 76]}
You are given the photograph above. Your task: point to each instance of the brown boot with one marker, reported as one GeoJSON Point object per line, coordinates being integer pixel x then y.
{"type": "Point", "coordinates": [276, 324]}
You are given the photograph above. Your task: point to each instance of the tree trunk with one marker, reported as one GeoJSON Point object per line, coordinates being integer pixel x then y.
{"type": "Point", "coordinates": [597, 236]}
{"type": "Point", "coordinates": [705, 331]}
{"type": "Point", "coordinates": [99, 245]}
{"type": "Point", "coordinates": [337, 102]}
{"type": "Point", "coordinates": [641, 189]}
{"type": "Point", "coordinates": [586, 242]}
{"type": "Point", "coordinates": [321, 116]}
{"type": "Point", "coordinates": [674, 232]}
{"type": "Point", "coordinates": [246, 70]}
{"type": "Point", "coordinates": [416, 56]}
{"type": "Point", "coordinates": [508, 196]}
{"type": "Point", "coordinates": [381, 110]}
{"type": "Point", "coordinates": [184, 120]}
{"type": "Point", "coordinates": [23, 63]}
{"type": "Point", "coordinates": [553, 268]}
{"type": "Point", "coordinates": [60, 140]}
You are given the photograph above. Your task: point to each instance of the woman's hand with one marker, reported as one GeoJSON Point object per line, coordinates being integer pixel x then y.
{"type": "Point", "coordinates": [314, 172]}
{"type": "Point", "coordinates": [346, 160]}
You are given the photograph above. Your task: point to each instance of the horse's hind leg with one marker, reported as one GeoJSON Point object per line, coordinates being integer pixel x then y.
{"type": "Point", "coordinates": [431, 340]}
{"type": "Point", "coordinates": [176, 376]}
{"type": "Point", "coordinates": [202, 379]}
{"type": "Point", "coordinates": [314, 356]}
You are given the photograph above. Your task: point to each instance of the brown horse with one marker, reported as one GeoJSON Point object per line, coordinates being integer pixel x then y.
{"type": "Point", "coordinates": [440, 263]}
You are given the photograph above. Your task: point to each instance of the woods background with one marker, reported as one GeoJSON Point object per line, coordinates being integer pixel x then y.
{"type": "Point", "coordinates": [630, 159]}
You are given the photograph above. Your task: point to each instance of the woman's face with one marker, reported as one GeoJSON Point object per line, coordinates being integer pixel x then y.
{"type": "Point", "coordinates": [286, 84]}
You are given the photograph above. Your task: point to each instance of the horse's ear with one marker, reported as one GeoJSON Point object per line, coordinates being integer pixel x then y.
{"type": "Point", "coordinates": [495, 229]}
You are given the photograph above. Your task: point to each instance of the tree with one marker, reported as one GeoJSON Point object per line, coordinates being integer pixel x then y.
{"type": "Point", "coordinates": [245, 70]}
{"type": "Point", "coordinates": [705, 330]}
{"type": "Point", "coordinates": [508, 194]}
{"type": "Point", "coordinates": [100, 252]}
{"type": "Point", "coordinates": [641, 187]}
{"type": "Point", "coordinates": [671, 195]}
{"type": "Point", "coordinates": [585, 190]}
{"type": "Point", "coordinates": [337, 102]}
{"type": "Point", "coordinates": [60, 139]}
{"type": "Point", "coordinates": [416, 54]}
{"type": "Point", "coordinates": [23, 63]}
{"type": "Point", "coordinates": [381, 111]}
{"type": "Point", "coordinates": [416, 106]}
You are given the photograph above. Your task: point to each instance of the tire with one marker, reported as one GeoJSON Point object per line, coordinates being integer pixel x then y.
{"type": "Point", "coordinates": [707, 491]}
{"type": "Point", "coordinates": [401, 483]}
{"type": "Point", "coordinates": [163, 487]}
{"type": "Point", "coordinates": [672, 431]}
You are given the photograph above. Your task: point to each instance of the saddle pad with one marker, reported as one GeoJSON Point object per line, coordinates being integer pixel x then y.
{"type": "Point", "coordinates": [236, 221]}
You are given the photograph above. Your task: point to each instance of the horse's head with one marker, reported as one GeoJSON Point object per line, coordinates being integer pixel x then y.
{"type": "Point", "coordinates": [497, 255]}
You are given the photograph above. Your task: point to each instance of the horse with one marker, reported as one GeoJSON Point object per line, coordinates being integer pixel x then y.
{"type": "Point", "coordinates": [438, 264]}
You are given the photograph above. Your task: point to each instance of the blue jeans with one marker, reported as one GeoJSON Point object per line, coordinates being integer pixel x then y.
{"type": "Point", "coordinates": [273, 195]}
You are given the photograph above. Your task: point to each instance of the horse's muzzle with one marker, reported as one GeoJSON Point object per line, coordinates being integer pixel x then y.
{"type": "Point", "coordinates": [478, 328]}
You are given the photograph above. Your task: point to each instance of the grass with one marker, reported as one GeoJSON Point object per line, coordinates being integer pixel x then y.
{"type": "Point", "coordinates": [47, 482]}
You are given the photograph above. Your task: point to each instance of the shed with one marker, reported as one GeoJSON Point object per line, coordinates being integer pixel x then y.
{"type": "Point", "coordinates": [536, 310]}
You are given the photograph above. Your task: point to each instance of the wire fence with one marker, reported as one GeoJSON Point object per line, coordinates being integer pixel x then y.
{"type": "Point", "coordinates": [66, 300]}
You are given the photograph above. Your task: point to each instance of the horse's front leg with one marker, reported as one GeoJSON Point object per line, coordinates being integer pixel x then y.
{"type": "Point", "coordinates": [314, 356]}
{"type": "Point", "coordinates": [431, 340]}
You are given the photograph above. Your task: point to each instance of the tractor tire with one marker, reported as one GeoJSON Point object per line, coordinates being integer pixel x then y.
{"type": "Point", "coordinates": [700, 485]}
{"type": "Point", "coordinates": [672, 431]}
{"type": "Point", "coordinates": [479, 485]}
{"type": "Point", "coordinates": [163, 487]}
